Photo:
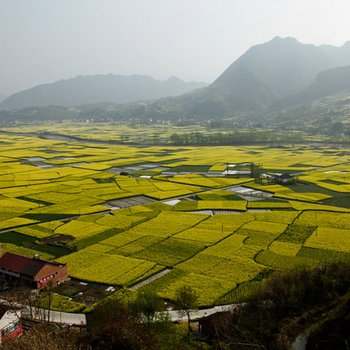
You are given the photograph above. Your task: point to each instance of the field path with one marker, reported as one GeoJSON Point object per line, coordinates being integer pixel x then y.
{"type": "Point", "coordinates": [177, 316]}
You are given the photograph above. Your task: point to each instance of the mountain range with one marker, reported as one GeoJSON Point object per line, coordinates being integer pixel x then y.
{"type": "Point", "coordinates": [93, 89]}
{"type": "Point", "coordinates": [261, 78]}
{"type": "Point", "coordinates": [267, 79]}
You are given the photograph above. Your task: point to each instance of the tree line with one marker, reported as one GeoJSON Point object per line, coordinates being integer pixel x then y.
{"type": "Point", "coordinates": [234, 138]}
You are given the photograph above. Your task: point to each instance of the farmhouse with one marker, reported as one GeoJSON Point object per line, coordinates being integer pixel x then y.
{"type": "Point", "coordinates": [33, 272]}
{"type": "Point", "coordinates": [10, 324]}
{"type": "Point", "coordinates": [284, 179]}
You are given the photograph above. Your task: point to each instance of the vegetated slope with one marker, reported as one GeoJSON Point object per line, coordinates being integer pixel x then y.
{"type": "Point", "coordinates": [324, 107]}
{"type": "Point", "coordinates": [327, 83]}
{"type": "Point", "coordinates": [292, 308]}
{"type": "Point", "coordinates": [326, 115]}
{"type": "Point", "coordinates": [98, 88]}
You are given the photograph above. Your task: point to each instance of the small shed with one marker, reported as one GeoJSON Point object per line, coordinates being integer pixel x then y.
{"type": "Point", "coordinates": [209, 325]}
{"type": "Point", "coordinates": [10, 324]}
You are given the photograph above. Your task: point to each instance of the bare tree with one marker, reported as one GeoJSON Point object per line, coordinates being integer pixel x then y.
{"type": "Point", "coordinates": [48, 297]}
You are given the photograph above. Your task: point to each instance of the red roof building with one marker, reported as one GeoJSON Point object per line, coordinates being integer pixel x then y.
{"type": "Point", "coordinates": [33, 272]}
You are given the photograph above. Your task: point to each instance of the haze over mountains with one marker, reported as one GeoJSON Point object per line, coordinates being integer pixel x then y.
{"type": "Point", "coordinates": [98, 89]}
{"type": "Point", "coordinates": [265, 74]}
{"type": "Point", "coordinates": [276, 74]}
{"type": "Point", "coordinates": [326, 83]}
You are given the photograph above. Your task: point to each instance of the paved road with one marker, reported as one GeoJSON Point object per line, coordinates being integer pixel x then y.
{"type": "Point", "coordinates": [43, 314]}
{"type": "Point", "coordinates": [80, 319]}
{"type": "Point", "coordinates": [55, 316]}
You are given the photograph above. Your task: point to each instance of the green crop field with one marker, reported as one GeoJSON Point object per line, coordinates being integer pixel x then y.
{"type": "Point", "coordinates": [119, 214]}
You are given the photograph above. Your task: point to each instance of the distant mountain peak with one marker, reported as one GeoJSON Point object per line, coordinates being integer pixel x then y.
{"type": "Point", "coordinates": [280, 41]}
{"type": "Point", "coordinates": [174, 78]}
{"type": "Point", "coordinates": [285, 39]}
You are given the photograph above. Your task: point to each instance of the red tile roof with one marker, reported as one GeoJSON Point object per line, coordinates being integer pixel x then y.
{"type": "Point", "coordinates": [33, 267]}
{"type": "Point", "coordinates": [14, 262]}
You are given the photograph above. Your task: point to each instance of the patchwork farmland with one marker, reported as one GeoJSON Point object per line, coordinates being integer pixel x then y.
{"type": "Point", "coordinates": [120, 214]}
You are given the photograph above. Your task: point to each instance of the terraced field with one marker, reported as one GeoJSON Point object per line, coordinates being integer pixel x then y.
{"type": "Point", "coordinates": [119, 214]}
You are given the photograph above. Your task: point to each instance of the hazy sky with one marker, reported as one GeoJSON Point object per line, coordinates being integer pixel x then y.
{"type": "Point", "coordinates": [47, 40]}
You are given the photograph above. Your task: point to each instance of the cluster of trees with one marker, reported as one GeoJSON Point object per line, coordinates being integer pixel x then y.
{"type": "Point", "coordinates": [312, 305]}
{"type": "Point", "coordinates": [234, 138]}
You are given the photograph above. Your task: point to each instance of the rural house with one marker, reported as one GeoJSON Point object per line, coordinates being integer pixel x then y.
{"type": "Point", "coordinates": [284, 179]}
{"type": "Point", "coordinates": [33, 272]}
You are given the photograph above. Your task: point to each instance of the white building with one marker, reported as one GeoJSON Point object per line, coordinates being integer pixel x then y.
{"type": "Point", "coordinates": [10, 324]}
